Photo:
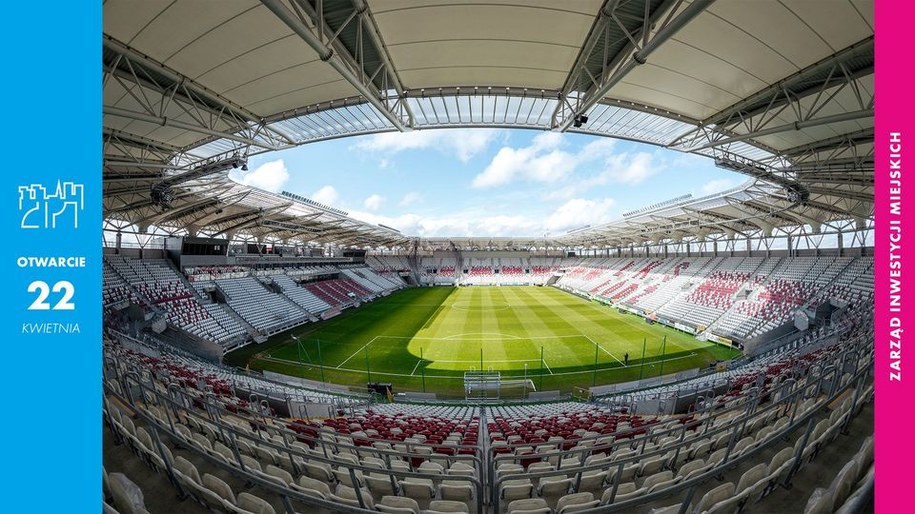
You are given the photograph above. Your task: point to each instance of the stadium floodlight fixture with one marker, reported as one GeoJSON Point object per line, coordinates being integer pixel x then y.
{"type": "Point", "coordinates": [162, 192]}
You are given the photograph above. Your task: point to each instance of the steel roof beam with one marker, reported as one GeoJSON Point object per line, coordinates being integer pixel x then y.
{"type": "Point", "coordinates": [210, 98]}
{"type": "Point", "coordinates": [146, 202]}
{"type": "Point", "coordinates": [137, 141]}
{"type": "Point", "coordinates": [371, 29]}
{"type": "Point", "coordinates": [328, 55]}
{"type": "Point", "coordinates": [178, 212]}
{"type": "Point", "coordinates": [850, 139]}
{"type": "Point", "coordinates": [797, 125]}
{"type": "Point", "coordinates": [774, 95]}
{"type": "Point", "coordinates": [170, 122]}
{"type": "Point", "coordinates": [115, 178]}
{"type": "Point", "coordinates": [842, 193]}
{"type": "Point", "coordinates": [631, 56]}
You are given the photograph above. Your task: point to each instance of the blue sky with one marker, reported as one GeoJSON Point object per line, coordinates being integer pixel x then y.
{"type": "Point", "coordinates": [485, 182]}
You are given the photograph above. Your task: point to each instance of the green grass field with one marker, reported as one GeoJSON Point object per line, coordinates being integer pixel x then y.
{"type": "Point", "coordinates": [426, 338]}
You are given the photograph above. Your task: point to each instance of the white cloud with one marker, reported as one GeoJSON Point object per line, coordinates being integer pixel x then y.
{"type": "Point", "coordinates": [271, 176]}
{"type": "Point", "coordinates": [464, 144]}
{"type": "Point", "coordinates": [572, 214]}
{"type": "Point", "coordinates": [326, 195]}
{"type": "Point", "coordinates": [632, 169]}
{"type": "Point", "coordinates": [410, 198]}
{"type": "Point", "coordinates": [623, 168]}
{"type": "Point", "coordinates": [373, 202]}
{"type": "Point", "coordinates": [579, 212]}
{"type": "Point", "coordinates": [545, 161]}
{"type": "Point", "coordinates": [542, 161]}
{"type": "Point", "coordinates": [463, 223]}
{"type": "Point", "coordinates": [718, 185]}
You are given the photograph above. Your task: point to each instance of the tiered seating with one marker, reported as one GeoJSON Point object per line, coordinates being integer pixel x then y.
{"type": "Point", "coordinates": [300, 295]}
{"type": "Point", "coordinates": [551, 455]}
{"type": "Point", "coordinates": [779, 290]}
{"type": "Point", "coordinates": [646, 269]}
{"type": "Point", "coordinates": [712, 283]}
{"type": "Point", "coordinates": [583, 277]}
{"type": "Point", "coordinates": [169, 293]}
{"type": "Point", "coordinates": [480, 275]}
{"type": "Point", "coordinates": [388, 263]}
{"type": "Point", "coordinates": [625, 291]}
{"type": "Point", "coordinates": [676, 271]}
{"type": "Point", "coordinates": [338, 292]}
{"type": "Point", "coordinates": [718, 289]}
{"type": "Point", "coordinates": [854, 285]}
{"type": "Point", "coordinates": [625, 267]}
{"type": "Point", "coordinates": [779, 298]}
{"type": "Point", "coordinates": [735, 323]}
{"type": "Point", "coordinates": [634, 299]}
{"type": "Point", "coordinates": [206, 273]}
{"type": "Point", "coordinates": [543, 270]}
{"type": "Point", "coordinates": [444, 427]}
{"type": "Point", "coordinates": [115, 289]}
{"type": "Point", "coordinates": [670, 284]}
{"type": "Point", "coordinates": [266, 311]}
{"type": "Point", "coordinates": [568, 421]}
{"type": "Point", "coordinates": [154, 279]}
{"type": "Point", "coordinates": [371, 281]}
{"type": "Point", "coordinates": [207, 321]}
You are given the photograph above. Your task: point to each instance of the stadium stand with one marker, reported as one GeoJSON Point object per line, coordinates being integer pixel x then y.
{"type": "Point", "coordinates": [497, 459]}
{"type": "Point", "coordinates": [780, 93]}
{"type": "Point", "coordinates": [156, 285]}
{"type": "Point", "coordinates": [735, 298]}
{"type": "Point", "coordinates": [263, 309]}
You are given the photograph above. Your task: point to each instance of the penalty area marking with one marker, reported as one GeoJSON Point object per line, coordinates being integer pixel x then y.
{"type": "Point", "coordinates": [496, 336]}
{"type": "Point", "coordinates": [416, 367]}
{"type": "Point", "coordinates": [604, 350]}
{"type": "Point", "coordinates": [471, 337]}
{"type": "Point", "coordinates": [477, 361]}
{"type": "Point", "coordinates": [610, 354]}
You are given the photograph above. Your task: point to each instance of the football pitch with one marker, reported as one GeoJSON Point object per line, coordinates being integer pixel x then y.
{"type": "Point", "coordinates": [425, 339]}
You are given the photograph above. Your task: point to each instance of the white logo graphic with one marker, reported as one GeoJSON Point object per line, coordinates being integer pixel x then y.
{"type": "Point", "coordinates": [43, 208]}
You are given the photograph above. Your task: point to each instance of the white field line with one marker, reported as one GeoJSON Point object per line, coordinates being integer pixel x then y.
{"type": "Point", "coordinates": [416, 367]}
{"type": "Point", "coordinates": [286, 361]}
{"type": "Point", "coordinates": [357, 352]}
{"type": "Point", "coordinates": [547, 366]}
{"type": "Point", "coordinates": [610, 354]}
{"type": "Point", "coordinates": [468, 337]}
{"type": "Point", "coordinates": [603, 349]}
{"type": "Point", "coordinates": [496, 335]}
{"type": "Point", "coordinates": [485, 361]}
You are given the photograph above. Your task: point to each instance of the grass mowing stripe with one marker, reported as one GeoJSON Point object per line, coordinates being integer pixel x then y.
{"type": "Point", "coordinates": [449, 326]}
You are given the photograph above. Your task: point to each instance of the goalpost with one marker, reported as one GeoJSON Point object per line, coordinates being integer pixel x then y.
{"type": "Point", "coordinates": [482, 385]}
{"type": "Point", "coordinates": [489, 385]}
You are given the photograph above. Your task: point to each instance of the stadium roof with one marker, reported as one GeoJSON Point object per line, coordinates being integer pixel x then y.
{"type": "Point", "coordinates": [781, 92]}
